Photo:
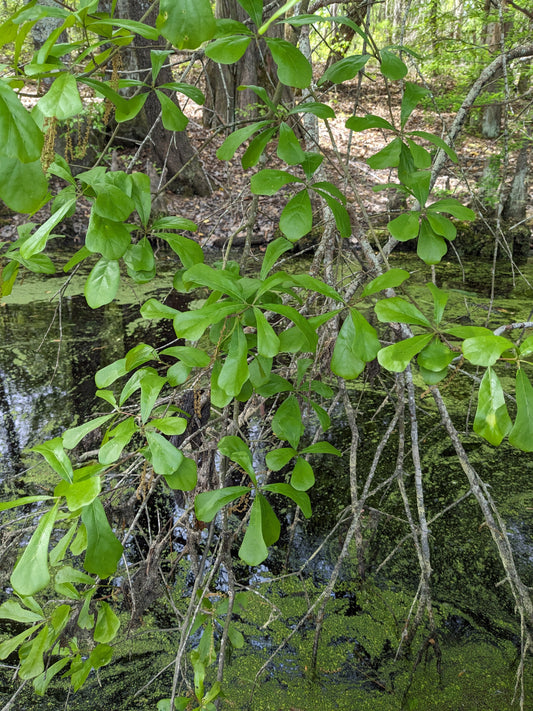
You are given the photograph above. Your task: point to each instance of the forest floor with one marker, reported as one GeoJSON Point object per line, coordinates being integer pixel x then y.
{"type": "Point", "coordinates": [226, 210]}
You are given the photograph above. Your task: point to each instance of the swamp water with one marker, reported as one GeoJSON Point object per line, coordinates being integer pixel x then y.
{"type": "Point", "coordinates": [44, 390]}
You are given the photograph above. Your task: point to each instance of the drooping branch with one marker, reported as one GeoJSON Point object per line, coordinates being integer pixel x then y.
{"type": "Point", "coordinates": [477, 87]}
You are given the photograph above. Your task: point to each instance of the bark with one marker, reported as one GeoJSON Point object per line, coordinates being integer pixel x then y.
{"type": "Point", "coordinates": [171, 151]}
{"type": "Point", "coordinates": [514, 209]}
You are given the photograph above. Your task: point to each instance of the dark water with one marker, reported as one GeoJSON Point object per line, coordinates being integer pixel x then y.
{"type": "Point", "coordinates": [47, 365]}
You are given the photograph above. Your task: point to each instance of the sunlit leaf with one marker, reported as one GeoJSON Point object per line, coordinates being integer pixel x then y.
{"type": "Point", "coordinates": [31, 571]}
{"type": "Point", "coordinates": [492, 421]}
{"type": "Point", "coordinates": [521, 435]}
{"type": "Point", "coordinates": [103, 548]}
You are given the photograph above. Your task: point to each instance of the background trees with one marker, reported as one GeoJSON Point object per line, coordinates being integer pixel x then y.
{"type": "Point", "coordinates": [228, 419]}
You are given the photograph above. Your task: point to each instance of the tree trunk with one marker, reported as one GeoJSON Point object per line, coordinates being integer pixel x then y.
{"type": "Point", "coordinates": [357, 11]}
{"type": "Point", "coordinates": [225, 104]}
{"type": "Point", "coordinates": [514, 209]}
{"type": "Point", "coordinates": [170, 151]}
{"type": "Point", "coordinates": [491, 115]}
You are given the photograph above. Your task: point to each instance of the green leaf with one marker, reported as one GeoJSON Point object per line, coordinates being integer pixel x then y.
{"type": "Point", "coordinates": [115, 206]}
{"type": "Point", "coordinates": [521, 435]}
{"type": "Point", "coordinates": [485, 350]}
{"type": "Point", "coordinates": [441, 225]}
{"type": "Point", "coordinates": [102, 283]}
{"type": "Point", "coordinates": [153, 309]}
{"type": "Point", "coordinates": [107, 624]}
{"type": "Point", "coordinates": [270, 525]}
{"type": "Point", "coordinates": [261, 93]}
{"type": "Point", "coordinates": [363, 123]}
{"type": "Point", "coordinates": [431, 247]}
{"type": "Point", "coordinates": [208, 503]}
{"type": "Point", "coordinates": [234, 372]}
{"type": "Point", "coordinates": [388, 157]}
{"type": "Point", "coordinates": [31, 571]}
{"type": "Point", "coordinates": [103, 548]}
{"type": "Point", "coordinates": [300, 498]}
{"type": "Point", "coordinates": [170, 425]}
{"type": "Point", "coordinates": [297, 216]}
{"type": "Point", "coordinates": [121, 435]}
{"type": "Point", "coordinates": [278, 13]}
{"type": "Point", "coordinates": [440, 299]}
{"type": "Point", "coordinates": [293, 68]}
{"type": "Point", "coordinates": [80, 493]}
{"type": "Point", "coordinates": [345, 69]}
{"type": "Point", "coordinates": [452, 207]}
{"type": "Point", "coordinates": [172, 116]}
{"type": "Point", "coordinates": [109, 373]}
{"type": "Point", "coordinates": [287, 423]}
{"type": "Point", "coordinates": [340, 214]}
{"type": "Point", "coordinates": [321, 448]}
{"type": "Point", "coordinates": [62, 100]}
{"type": "Point", "coordinates": [74, 435]}
{"type": "Point", "coordinates": [55, 455]}
{"type": "Point", "coordinates": [398, 310]}
{"type": "Point", "coordinates": [151, 384]}
{"type": "Point", "coordinates": [267, 341]}
{"type": "Point", "coordinates": [319, 110]}
{"type": "Point", "coordinates": [41, 682]}
{"type": "Point", "coordinates": [228, 149]}
{"type": "Point", "coordinates": [111, 239]}
{"type": "Point", "coordinates": [23, 501]}
{"type": "Point", "coordinates": [269, 181]}
{"type": "Point", "coordinates": [187, 249]}
{"type": "Point", "coordinates": [253, 550]}
{"type": "Point", "coordinates": [192, 324]}
{"type": "Point", "coordinates": [166, 459]}
{"type": "Point", "coordinates": [412, 94]}
{"type": "Point", "coordinates": [23, 186]}
{"type": "Point", "coordinates": [32, 663]}
{"type": "Point", "coordinates": [289, 149]}
{"type": "Point", "coordinates": [392, 66]}
{"type": "Point", "coordinates": [278, 458]}
{"type": "Point", "coordinates": [141, 196]}
{"type": "Point", "coordinates": [37, 241]}
{"type": "Point", "coordinates": [437, 141]}
{"type": "Point", "coordinates": [526, 347]}
{"type": "Point", "coordinates": [356, 345]}
{"type": "Point", "coordinates": [397, 357]}
{"type": "Point", "coordinates": [136, 28]}
{"type": "Point", "coordinates": [228, 50]}
{"type": "Point", "coordinates": [254, 8]}
{"type": "Point", "coordinates": [303, 476]}
{"type": "Point", "coordinates": [186, 23]}
{"type": "Point", "coordinates": [216, 279]}
{"type": "Point", "coordinates": [273, 251]}
{"type": "Point", "coordinates": [185, 477]}
{"type": "Point", "coordinates": [238, 451]}
{"type": "Point", "coordinates": [193, 357]}
{"type": "Point", "coordinates": [492, 421]}
{"type": "Point", "coordinates": [20, 137]}
{"type": "Point", "coordinates": [58, 552]}
{"type": "Point", "coordinates": [256, 148]}
{"type": "Point", "coordinates": [10, 645]}
{"type": "Point", "coordinates": [12, 610]}
{"type": "Point", "coordinates": [389, 280]}
{"type": "Point", "coordinates": [420, 157]}
{"type": "Point", "coordinates": [435, 357]}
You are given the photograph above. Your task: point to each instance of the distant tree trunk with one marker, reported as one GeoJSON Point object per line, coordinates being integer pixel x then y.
{"type": "Point", "coordinates": [357, 11]}
{"type": "Point", "coordinates": [514, 208]}
{"type": "Point", "coordinates": [169, 150]}
{"type": "Point", "coordinates": [224, 103]}
{"type": "Point", "coordinates": [491, 116]}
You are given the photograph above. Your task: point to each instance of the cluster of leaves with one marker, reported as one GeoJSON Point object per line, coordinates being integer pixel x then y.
{"type": "Point", "coordinates": [238, 334]}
